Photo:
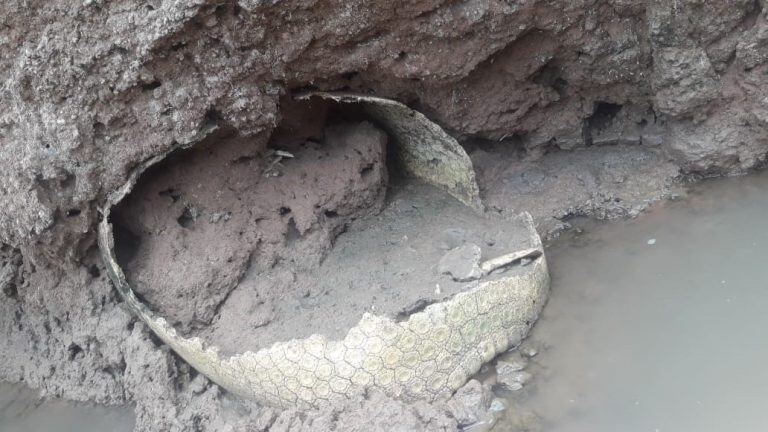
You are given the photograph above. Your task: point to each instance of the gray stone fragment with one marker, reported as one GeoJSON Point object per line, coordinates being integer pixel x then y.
{"type": "Point", "coordinates": [512, 362]}
{"type": "Point", "coordinates": [265, 420]}
{"type": "Point", "coordinates": [497, 405]}
{"type": "Point", "coordinates": [454, 237]}
{"type": "Point", "coordinates": [529, 348]}
{"type": "Point", "coordinates": [471, 403]}
{"type": "Point", "coordinates": [513, 380]}
{"type": "Point", "coordinates": [462, 263]}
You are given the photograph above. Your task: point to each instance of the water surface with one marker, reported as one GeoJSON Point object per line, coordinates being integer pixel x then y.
{"type": "Point", "coordinates": [660, 323]}
{"type": "Point", "coordinates": [21, 410]}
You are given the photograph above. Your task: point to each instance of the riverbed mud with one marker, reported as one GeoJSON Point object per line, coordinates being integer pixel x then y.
{"type": "Point", "coordinates": [569, 91]}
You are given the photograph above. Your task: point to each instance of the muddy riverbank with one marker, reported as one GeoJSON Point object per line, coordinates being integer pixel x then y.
{"type": "Point", "coordinates": [567, 195]}
{"type": "Point", "coordinates": [650, 326]}
{"type": "Point", "coordinates": [566, 109]}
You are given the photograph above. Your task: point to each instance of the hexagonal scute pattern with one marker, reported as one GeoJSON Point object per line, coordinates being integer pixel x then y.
{"type": "Point", "coordinates": [430, 355]}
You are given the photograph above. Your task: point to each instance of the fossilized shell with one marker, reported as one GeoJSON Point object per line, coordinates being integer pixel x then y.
{"type": "Point", "coordinates": [427, 356]}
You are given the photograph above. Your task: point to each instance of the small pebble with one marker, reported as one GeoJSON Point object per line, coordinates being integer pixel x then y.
{"type": "Point", "coordinates": [512, 362]}
{"type": "Point", "coordinates": [523, 377]}
{"type": "Point", "coordinates": [514, 381]}
{"type": "Point", "coordinates": [529, 350]}
{"type": "Point", "coordinates": [513, 386]}
{"type": "Point", "coordinates": [497, 405]}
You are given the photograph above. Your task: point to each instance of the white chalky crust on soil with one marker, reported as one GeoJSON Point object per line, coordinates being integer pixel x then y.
{"type": "Point", "coordinates": [428, 356]}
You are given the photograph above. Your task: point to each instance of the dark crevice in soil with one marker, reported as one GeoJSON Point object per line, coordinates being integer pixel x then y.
{"type": "Point", "coordinates": [127, 243]}
{"type": "Point", "coordinates": [752, 17]}
{"type": "Point", "coordinates": [601, 118]}
{"type": "Point", "coordinates": [150, 86]}
{"type": "Point", "coordinates": [550, 75]}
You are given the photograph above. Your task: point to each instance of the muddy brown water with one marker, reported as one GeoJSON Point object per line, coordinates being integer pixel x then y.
{"type": "Point", "coordinates": [659, 324]}
{"type": "Point", "coordinates": [21, 410]}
